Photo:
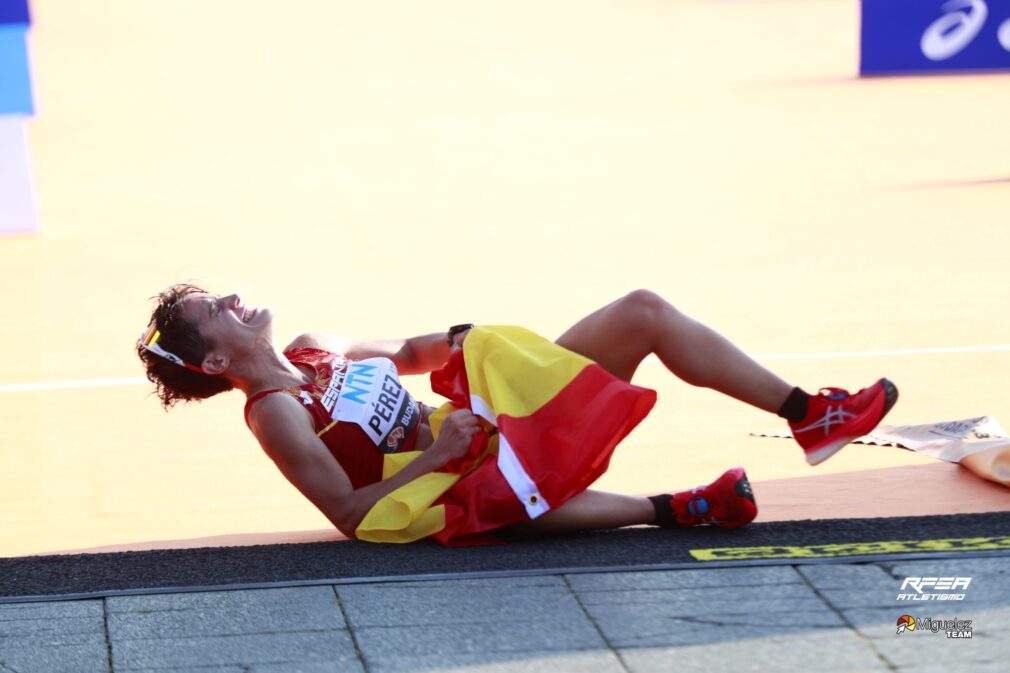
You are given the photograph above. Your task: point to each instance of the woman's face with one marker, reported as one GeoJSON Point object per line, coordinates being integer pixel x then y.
{"type": "Point", "coordinates": [226, 321]}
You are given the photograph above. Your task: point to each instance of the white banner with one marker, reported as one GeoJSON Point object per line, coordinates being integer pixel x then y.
{"type": "Point", "coordinates": [980, 444]}
{"type": "Point", "coordinates": [17, 192]}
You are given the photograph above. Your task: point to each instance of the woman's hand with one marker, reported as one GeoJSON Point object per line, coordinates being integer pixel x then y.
{"type": "Point", "coordinates": [453, 441]}
{"type": "Point", "coordinates": [457, 340]}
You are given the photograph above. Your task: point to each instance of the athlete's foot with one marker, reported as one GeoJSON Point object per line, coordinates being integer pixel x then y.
{"type": "Point", "coordinates": [835, 417]}
{"type": "Point", "coordinates": [727, 502]}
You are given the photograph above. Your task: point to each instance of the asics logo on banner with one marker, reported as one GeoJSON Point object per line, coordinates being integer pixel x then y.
{"type": "Point", "coordinates": [830, 419]}
{"type": "Point", "coordinates": [957, 28]}
{"type": "Point", "coordinates": [938, 588]}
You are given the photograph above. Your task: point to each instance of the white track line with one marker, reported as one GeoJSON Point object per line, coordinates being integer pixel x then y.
{"type": "Point", "coordinates": [138, 380]}
{"type": "Point", "coordinates": [63, 385]}
{"type": "Point", "coordinates": [873, 354]}
{"type": "Point", "coordinates": [652, 359]}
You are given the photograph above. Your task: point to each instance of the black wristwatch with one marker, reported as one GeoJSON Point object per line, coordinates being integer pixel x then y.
{"type": "Point", "coordinates": [456, 329]}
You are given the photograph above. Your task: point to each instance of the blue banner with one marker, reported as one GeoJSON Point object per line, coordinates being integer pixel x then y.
{"type": "Point", "coordinates": [15, 80]}
{"type": "Point", "coordinates": [14, 11]}
{"type": "Point", "coordinates": [922, 36]}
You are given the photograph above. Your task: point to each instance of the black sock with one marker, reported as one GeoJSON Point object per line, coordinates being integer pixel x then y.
{"type": "Point", "coordinates": [794, 409]}
{"type": "Point", "coordinates": [665, 515]}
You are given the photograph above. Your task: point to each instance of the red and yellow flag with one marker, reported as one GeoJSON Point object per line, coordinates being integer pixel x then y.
{"type": "Point", "coordinates": [553, 419]}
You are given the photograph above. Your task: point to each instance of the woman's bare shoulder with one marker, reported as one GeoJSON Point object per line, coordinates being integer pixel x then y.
{"type": "Point", "coordinates": [279, 420]}
{"type": "Point", "coordinates": [320, 340]}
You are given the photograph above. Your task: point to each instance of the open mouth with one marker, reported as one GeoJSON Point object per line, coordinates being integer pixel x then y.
{"type": "Point", "coordinates": [247, 315]}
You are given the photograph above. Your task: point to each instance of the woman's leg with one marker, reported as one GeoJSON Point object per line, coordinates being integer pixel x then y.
{"type": "Point", "coordinates": [620, 335]}
{"type": "Point", "coordinates": [592, 510]}
{"type": "Point", "coordinates": [727, 502]}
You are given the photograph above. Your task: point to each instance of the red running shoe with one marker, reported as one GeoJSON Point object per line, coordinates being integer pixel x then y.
{"type": "Point", "coordinates": [834, 418]}
{"type": "Point", "coordinates": [727, 502]}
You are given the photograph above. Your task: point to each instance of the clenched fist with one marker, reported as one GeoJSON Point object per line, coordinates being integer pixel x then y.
{"type": "Point", "coordinates": [453, 441]}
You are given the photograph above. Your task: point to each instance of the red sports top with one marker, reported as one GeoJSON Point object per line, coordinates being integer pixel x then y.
{"type": "Point", "coordinates": [358, 408]}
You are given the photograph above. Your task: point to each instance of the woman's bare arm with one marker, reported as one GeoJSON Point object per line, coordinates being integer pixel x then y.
{"type": "Point", "coordinates": [415, 355]}
{"type": "Point", "coordinates": [285, 432]}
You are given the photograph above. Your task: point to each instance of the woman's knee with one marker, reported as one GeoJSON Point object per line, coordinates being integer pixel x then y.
{"type": "Point", "coordinates": [645, 308]}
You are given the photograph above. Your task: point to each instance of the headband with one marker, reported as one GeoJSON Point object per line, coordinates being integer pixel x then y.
{"type": "Point", "coordinates": [149, 342]}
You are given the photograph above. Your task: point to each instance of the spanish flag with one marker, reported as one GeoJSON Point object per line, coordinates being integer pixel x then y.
{"type": "Point", "coordinates": [552, 419]}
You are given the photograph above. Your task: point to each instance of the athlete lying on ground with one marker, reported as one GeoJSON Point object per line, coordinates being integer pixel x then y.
{"type": "Point", "coordinates": [329, 411]}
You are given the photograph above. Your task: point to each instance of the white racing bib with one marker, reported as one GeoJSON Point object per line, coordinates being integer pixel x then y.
{"type": "Point", "coordinates": [368, 393]}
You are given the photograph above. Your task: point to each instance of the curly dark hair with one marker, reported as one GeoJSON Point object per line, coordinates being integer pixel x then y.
{"type": "Point", "coordinates": [178, 336]}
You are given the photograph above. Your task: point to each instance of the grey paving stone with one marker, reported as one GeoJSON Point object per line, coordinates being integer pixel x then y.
{"type": "Point", "coordinates": [833, 577]}
{"type": "Point", "coordinates": [678, 579]}
{"type": "Point", "coordinates": [987, 620]}
{"type": "Point", "coordinates": [835, 650]}
{"type": "Point", "coordinates": [54, 610]}
{"type": "Point", "coordinates": [314, 599]}
{"type": "Point", "coordinates": [26, 628]}
{"type": "Point", "coordinates": [873, 622]}
{"type": "Point", "coordinates": [873, 587]}
{"type": "Point", "coordinates": [911, 653]}
{"type": "Point", "coordinates": [534, 636]}
{"type": "Point", "coordinates": [844, 599]}
{"type": "Point", "coordinates": [968, 663]}
{"type": "Point", "coordinates": [309, 612]}
{"type": "Point", "coordinates": [852, 586]}
{"type": "Point", "coordinates": [290, 667]}
{"type": "Point", "coordinates": [89, 654]}
{"type": "Point", "coordinates": [405, 605]}
{"type": "Point", "coordinates": [952, 567]}
{"type": "Point", "coordinates": [671, 610]}
{"type": "Point", "coordinates": [248, 650]}
{"type": "Point", "coordinates": [990, 577]}
{"type": "Point", "coordinates": [50, 637]}
{"type": "Point", "coordinates": [630, 627]}
{"type": "Point", "coordinates": [500, 583]}
{"type": "Point", "coordinates": [914, 649]}
{"type": "Point", "coordinates": [583, 661]}
{"type": "Point", "coordinates": [462, 586]}
{"type": "Point", "coordinates": [710, 600]}
{"type": "Point", "coordinates": [882, 622]}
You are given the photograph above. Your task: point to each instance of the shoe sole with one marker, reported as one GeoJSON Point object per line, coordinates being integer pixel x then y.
{"type": "Point", "coordinates": [744, 490]}
{"type": "Point", "coordinates": [835, 445]}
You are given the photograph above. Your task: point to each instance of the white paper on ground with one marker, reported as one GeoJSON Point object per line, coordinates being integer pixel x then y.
{"type": "Point", "coordinates": [946, 440]}
{"type": "Point", "coordinates": [17, 191]}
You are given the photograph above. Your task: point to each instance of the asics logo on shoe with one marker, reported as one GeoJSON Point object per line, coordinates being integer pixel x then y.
{"type": "Point", "coordinates": [697, 506]}
{"type": "Point", "coordinates": [832, 417]}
